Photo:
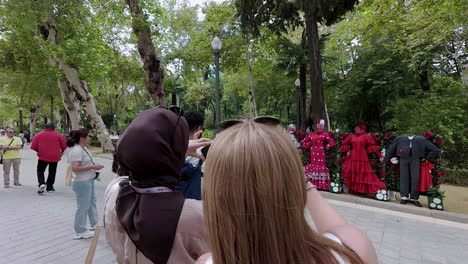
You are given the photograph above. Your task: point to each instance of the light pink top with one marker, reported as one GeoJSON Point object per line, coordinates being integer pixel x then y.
{"type": "Point", "coordinates": [191, 239]}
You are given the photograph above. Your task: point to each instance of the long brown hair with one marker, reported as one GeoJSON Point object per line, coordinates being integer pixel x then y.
{"type": "Point", "coordinates": [254, 198]}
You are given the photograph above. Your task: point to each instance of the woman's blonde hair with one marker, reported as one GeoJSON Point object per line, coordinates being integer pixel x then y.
{"type": "Point", "coordinates": [254, 198]}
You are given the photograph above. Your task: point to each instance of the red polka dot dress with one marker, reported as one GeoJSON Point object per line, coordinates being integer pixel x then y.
{"type": "Point", "coordinates": [317, 170]}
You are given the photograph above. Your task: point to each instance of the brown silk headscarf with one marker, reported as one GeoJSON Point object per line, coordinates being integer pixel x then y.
{"type": "Point", "coordinates": [153, 150]}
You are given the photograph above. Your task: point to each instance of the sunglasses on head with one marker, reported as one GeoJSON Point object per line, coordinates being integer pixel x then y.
{"type": "Point", "coordinates": [176, 110]}
{"type": "Point", "coordinates": [266, 120]}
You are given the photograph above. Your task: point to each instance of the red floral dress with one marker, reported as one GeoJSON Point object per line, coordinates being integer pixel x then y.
{"type": "Point", "coordinates": [357, 171]}
{"type": "Point", "coordinates": [317, 170]}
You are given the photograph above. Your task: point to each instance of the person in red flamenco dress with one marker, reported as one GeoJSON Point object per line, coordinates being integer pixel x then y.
{"type": "Point", "coordinates": [357, 171]}
{"type": "Point", "coordinates": [317, 171]}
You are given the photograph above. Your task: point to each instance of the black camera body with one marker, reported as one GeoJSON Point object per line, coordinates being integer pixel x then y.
{"type": "Point", "coordinates": [205, 150]}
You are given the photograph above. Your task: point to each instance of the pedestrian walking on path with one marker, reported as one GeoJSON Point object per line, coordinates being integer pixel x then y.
{"type": "Point", "coordinates": [84, 173]}
{"type": "Point", "coordinates": [49, 146]}
{"type": "Point", "coordinates": [11, 156]}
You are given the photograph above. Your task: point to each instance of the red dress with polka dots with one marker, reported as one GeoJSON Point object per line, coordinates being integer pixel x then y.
{"type": "Point", "coordinates": [317, 170]}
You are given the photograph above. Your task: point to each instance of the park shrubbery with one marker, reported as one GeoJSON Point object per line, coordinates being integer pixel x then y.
{"type": "Point", "coordinates": [442, 111]}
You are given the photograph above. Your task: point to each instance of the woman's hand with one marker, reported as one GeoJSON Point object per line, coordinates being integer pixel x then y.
{"type": "Point", "coordinates": [195, 144]}
{"type": "Point", "coordinates": [97, 166]}
{"type": "Point", "coordinates": [196, 135]}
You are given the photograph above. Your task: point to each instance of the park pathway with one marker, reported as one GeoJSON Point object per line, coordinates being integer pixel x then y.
{"type": "Point", "coordinates": [39, 229]}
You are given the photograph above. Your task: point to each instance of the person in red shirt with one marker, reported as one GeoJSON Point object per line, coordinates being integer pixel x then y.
{"type": "Point", "coordinates": [49, 146]}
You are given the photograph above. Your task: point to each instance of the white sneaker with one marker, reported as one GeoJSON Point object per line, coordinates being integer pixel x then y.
{"type": "Point", "coordinates": [41, 189]}
{"type": "Point", "coordinates": [92, 227]}
{"type": "Point", "coordinates": [86, 234]}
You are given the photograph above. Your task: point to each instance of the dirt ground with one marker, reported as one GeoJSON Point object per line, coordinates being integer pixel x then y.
{"type": "Point", "coordinates": [456, 199]}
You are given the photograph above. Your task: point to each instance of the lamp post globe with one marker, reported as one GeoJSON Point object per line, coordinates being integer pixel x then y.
{"type": "Point", "coordinates": [216, 43]}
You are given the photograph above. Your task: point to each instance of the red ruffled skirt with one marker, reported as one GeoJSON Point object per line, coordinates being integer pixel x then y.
{"type": "Point", "coordinates": [319, 175]}
{"type": "Point", "coordinates": [425, 177]}
{"type": "Point", "coordinates": [359, 177]}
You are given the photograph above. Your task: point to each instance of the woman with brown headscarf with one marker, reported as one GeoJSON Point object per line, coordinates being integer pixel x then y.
{"type": "Point", "coordinates": [145, 220]}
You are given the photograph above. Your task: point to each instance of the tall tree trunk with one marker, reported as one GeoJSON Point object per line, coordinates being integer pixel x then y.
{"type": "Point", "coordinates": [71, 104]}
{"type": "Point", "coordinates": [252, 105]}
{"type": "Point", "coordinates": [52, 119]}
{"type": "Point", "coordinates": [80, 89]}
{"type": "Point", "coordinates": [154, 74]}
{"type": "Point", "coordinates": [58, 119]}
{"type": "Point", "coordinates": [86, 99]}
{"type": "Point", "coordinates": [424, 80]}
{"type": "Point", "coordinates": [308, 107]}
{"type": "Point", "coordinates": [34, 115]}
{"type": "Point", "coordinates": [303, 95]}
{"type": "Point", "coordinates": [318, 100]}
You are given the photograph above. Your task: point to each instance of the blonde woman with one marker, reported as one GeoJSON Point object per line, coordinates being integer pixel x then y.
{"type": "Point", "coordinates": [254, 197]}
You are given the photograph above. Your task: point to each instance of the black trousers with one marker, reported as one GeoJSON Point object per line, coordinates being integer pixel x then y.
{"type": "Point", "coordinates": [409, 177]}
{"type": "Point", "coordinates": [41, 167]}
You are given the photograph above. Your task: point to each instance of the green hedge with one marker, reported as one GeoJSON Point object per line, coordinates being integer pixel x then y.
{"type": "Point", "coordinates": [457, 176]}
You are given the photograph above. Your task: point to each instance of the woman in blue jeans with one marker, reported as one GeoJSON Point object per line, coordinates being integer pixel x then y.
{"type": "Point", "coordinates": [84, 173]}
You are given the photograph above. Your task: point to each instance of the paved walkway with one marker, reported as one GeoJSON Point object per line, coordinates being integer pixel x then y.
{"type": "Point", "coordinates": [39, 229]}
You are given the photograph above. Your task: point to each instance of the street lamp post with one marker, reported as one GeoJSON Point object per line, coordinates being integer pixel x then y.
{"type": "Point", "coordinates": [216, 44]}
{"type": "Point", "coordinates": [21, 118]}
{"type": "Point", "coordinates": [116, 124]}
{"type": "Point", "coordinates": [298, 103]}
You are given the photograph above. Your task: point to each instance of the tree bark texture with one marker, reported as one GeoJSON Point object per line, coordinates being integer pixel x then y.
{"type": "Point", "coordinates": [72, 106]}
{"type": "Point", "coordinates": [34, 115]}
{"type": "Point", "coordinates": [317, 100]}
{"type": "Point", "coordinates": [58, 119]}
{"type": "Point", "coordinates": [79, 88]}
{"type": "Point", "coordinates": [303, 95]}
{"type": "Point", "coordinates": [252, 104]}
{"type": "Point", "coordinates": [154, 74]}
{"type": "Point", "coordinates": [86, 99]}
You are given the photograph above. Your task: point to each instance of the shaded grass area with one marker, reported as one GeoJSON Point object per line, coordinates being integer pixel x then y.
{"type": "Point", "coordinates": [457, 177]}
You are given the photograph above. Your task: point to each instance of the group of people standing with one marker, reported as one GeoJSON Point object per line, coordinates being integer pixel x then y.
{"type": "Point", "coordinates": [254, 194]}
{"type": "Point", "coordinates": [50, 146]}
